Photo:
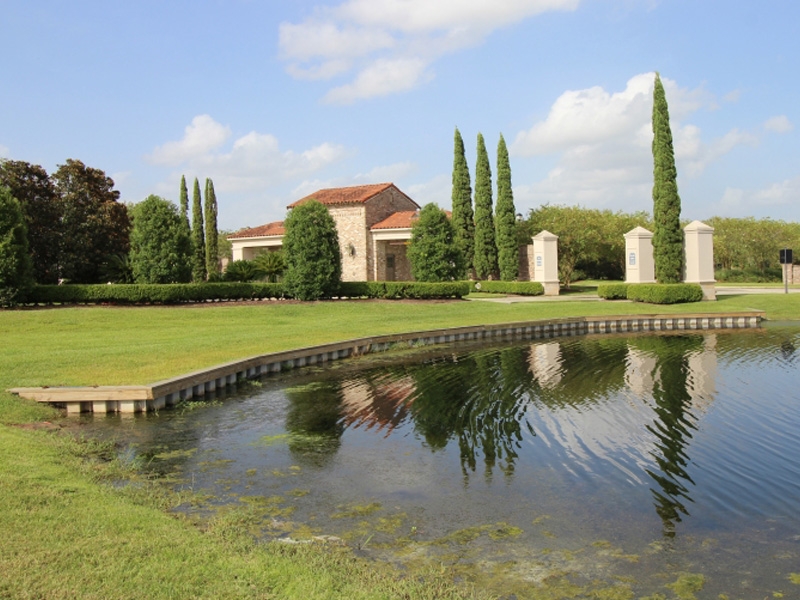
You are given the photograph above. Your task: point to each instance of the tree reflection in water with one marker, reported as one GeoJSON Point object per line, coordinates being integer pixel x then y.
{"type": "Point", "coordinates": [483, 400]}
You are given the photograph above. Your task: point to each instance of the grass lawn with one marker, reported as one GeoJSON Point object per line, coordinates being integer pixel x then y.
{"type": "Point", "coordinates": [67, 532]}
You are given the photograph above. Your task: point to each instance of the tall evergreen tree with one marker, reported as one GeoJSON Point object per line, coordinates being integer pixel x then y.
{"type": "Point", "coordinates": [198, 237]}
{"type": "Point", "coordinates": [16, 268]}
{"type": "Point", "coordinates": [506, 217]}
{"type": "Point", "coordinates": [667, 234]}
{"type": "Point", "coordinates": [185, 206]}
{"type": "Point", "coordinates": [212, 247]}
{"type": "Point", "coordinates": [485, 260]}
{"type": "Point", "coordinates": [463, 219]}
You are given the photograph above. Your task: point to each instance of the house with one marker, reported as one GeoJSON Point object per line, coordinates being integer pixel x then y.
{"type": "Point", "coordinates": [374, 225]}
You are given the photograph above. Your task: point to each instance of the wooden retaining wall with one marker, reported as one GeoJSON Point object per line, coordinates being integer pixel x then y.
{"type": "Point", "coordinates": [141, 398]}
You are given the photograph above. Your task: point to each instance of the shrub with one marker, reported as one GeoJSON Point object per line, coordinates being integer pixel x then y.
{"type": "Point", "coordinates": [397, 290]}
{"type": "Point", "coordinates": [613, 291]}
{"type": "Point", "coordinates": [520, 288]}
{"type": "Point", "coordinates": [242, 270]}
{"type": "Point", "coordinates": [665, 293]}
{"type": "Point", "coordinates": [161, 249]}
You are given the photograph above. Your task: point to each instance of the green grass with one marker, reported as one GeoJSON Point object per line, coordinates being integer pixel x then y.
{"type": "Point", "coordinates": [67, 532]}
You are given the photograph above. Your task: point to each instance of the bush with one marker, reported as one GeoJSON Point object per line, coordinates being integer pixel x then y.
{"type": "Point", "coordinates": [433, 252]}
{"type": "Point", "coordinates": [242, 270]}
{"type": "Point", "coordinates": [613, 291]}
{"type": "Point", "coordinates": [520, 288]}
{"type": "Point", "coordinates": [665, 293]}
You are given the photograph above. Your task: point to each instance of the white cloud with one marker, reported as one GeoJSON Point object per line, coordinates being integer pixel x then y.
{"type": "Point", "coordinates": [602, 143]}
{"type": "Point", "coordinates": [739, 202]}
{"type": "Point", "coordinates": [5, 151]}
{"type": "Point", "coordinates": [390, 43]}
{"type": "Point", "coordinates": [779, 124]}
{"type": "Point", "coordinates": [201, 136]}
{"type": "Point", "coordinates": [380, 78]}
{"type": "Point", "coordinates": [247, 172]}
{"type": "Point", "coordinates": [387, 173]}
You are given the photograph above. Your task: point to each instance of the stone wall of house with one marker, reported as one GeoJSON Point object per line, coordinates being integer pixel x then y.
{"type": "Point", "coordinates": [352, 240]}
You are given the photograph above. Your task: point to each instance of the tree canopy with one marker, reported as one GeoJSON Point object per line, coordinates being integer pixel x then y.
{"type": "Point", "coordinates": [311, 251]}
{"type": "Point", "coordinates": [94, 225]}
{"type": "Point", "coordinates": [32, 187]}
{"type": "Point", "coordinates": [433, 252]}
{"type": "Point", "coordinates": [160, 248]}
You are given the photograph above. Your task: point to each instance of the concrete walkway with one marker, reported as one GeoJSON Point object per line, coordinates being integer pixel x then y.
{"type": "Point", "coordinates": [592, 296]}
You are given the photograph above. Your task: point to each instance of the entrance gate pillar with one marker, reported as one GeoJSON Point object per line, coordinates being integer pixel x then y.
{"type": "Point", "coordinates": [545, 262]}
{"type": "Point", "coordinates": [639, 265]}
{"type": "Point", "coordinates": [698, 261]}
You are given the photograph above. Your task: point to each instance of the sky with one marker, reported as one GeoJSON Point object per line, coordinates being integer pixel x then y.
{"type": "Point", "coordinates": [276, 99]}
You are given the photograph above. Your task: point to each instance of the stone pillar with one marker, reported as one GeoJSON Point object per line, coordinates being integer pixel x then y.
{"type": "Point", "coordinates": [698, 249]}
{"type": "Point", "coordinates": [639, 264]}
{"type": "Point", "coordinates": [545, 262]}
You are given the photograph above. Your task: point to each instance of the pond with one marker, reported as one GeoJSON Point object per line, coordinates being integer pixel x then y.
{"type": "Point", "coordinates": [597, 466]}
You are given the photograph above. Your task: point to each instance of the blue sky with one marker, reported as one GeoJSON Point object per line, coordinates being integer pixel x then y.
{"type": "Point", "coordinates": [276, 99]}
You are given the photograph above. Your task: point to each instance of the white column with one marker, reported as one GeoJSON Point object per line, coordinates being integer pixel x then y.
{"type": "Point", "coordinates": [545, 262]}
{"type": "Point", "coordinates": [639, 264]}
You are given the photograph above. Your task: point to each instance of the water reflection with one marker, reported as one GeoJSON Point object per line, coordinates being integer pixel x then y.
{"type": "Point", "coordinates": [494, 404]}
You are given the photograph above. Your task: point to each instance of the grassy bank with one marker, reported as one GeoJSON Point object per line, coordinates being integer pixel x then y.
{"type": "Point", "coordinates": [68, 532]}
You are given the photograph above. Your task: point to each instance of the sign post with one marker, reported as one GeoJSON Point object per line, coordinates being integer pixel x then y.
{"type": "Point", "coordinates": [786, 260]}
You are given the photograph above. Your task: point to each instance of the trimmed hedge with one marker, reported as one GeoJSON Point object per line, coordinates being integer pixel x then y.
{"type": "Point", "coordinates": [169, 293]}
{"type": "Point", "coordinates": [520, 288]}
{"type": "Point", "coordinates": [613, 291]}
{"type": "Point", "coordinates": [665, 293]}
{"type": "Point", "coordinates": [398, 290]}
{"type": "Point", "coordinates": [177, 293]}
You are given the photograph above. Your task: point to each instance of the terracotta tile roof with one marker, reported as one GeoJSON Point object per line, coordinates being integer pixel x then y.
{"type": "Point", "coordinates": [399, 220]}
{"type": "Point", "coordinates": [275, 228]}
{"type": "Point", "coordinates": [347, 195]}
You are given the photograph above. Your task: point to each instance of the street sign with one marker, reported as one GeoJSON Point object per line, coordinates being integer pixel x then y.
{"type": "Point", "coordinates": [786, 256]}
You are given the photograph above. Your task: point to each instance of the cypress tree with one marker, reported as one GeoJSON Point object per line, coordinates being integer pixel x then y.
{"type": "Point", "coordinates": [485, 260]}
{"type": "Point", "coordinates": [198, 237]}
{"type": "Point", "coordinates": [212, 248]}
{"type": "Point", "coordinates": [16, 268]}
{"type": "Point", "coordinates": [667, 234]}
{"type": "Point", "coordinates": [505, 217]}
{"type": "Point", "coordinates": [463, 218]}
{"type": "Point", "coordinates": [185, 206]}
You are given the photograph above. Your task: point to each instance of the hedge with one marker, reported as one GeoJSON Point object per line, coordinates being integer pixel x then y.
{"type": "Point", "coordinates": [397, 290]}
{"type": "Point", "coordinates": [520, 288]}
{"type": "Point", "coordinates": [665, 293]}
{"type": "Point", "coordinates": [176, 293]}
{"type": "Point", "coordinates": [613, 291]}
{"type": "Point", "coordinates": [169, 293]}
